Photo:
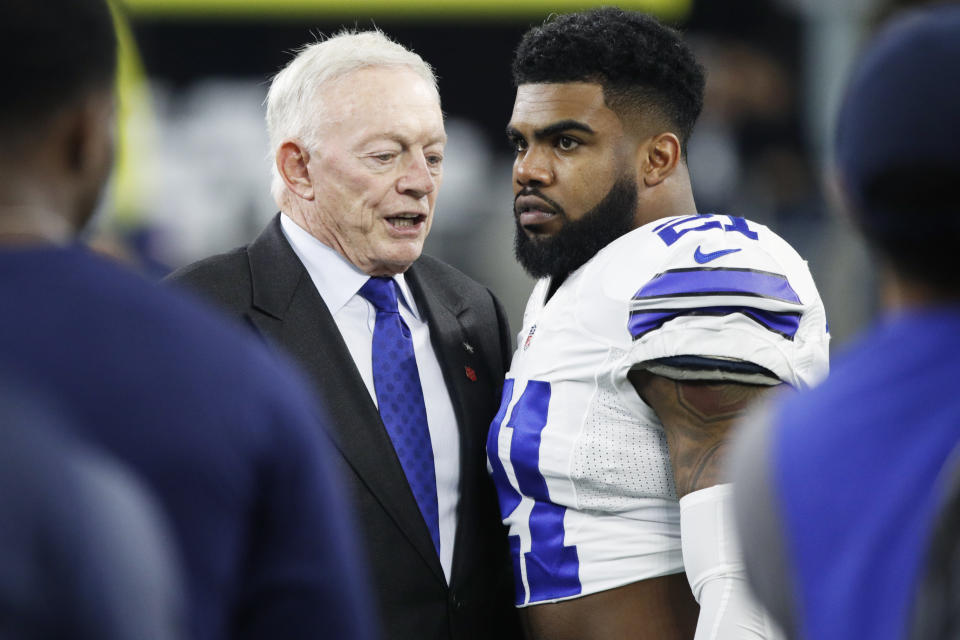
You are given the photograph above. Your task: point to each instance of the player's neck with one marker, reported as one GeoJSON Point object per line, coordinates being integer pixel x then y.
{"type": "Point", "coordinates": [555, 283]}
{"type": "Point", "coordinates": [900, 292]}
{"type": "Point", "coordinates": [30, 208]}
{"type": "Point", "coordinates": [673, 198]}
{"type": "Point", "coordinates": [31, 221]}
{"type": "Point", "coordinates": [32, 226]}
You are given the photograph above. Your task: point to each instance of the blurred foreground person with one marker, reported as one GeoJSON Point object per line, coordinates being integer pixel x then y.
{"type": "Point", "coordinates": [839, 513]}
{"type": "Point", "coordinates": [227, 439]}
{"type": "Point", "coordinates": [936, 609]}
{"type": "Point", "coordinates": [408, 352]}
{"type": "Point", "coordinates": [84, 554]}
{"type": "Point", "coordinates": [651, 329]}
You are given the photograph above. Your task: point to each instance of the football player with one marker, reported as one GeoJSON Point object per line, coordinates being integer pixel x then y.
{"type": "Point", "coordinates": [652, 328]}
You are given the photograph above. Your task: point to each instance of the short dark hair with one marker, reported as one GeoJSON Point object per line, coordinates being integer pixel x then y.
{"type": "Point", "coordinates": [909, 216]}
{"type": "Point", "coordinates": [639, 62]}
{"type": "Point", "coordinates": [53, 52]}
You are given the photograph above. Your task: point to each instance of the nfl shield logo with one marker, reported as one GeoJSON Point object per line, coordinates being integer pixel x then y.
{"type": "Point", "coordinates": [526, 342]}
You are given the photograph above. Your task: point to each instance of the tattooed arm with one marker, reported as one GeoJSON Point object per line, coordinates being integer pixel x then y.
{"type": "Point", "coordinates": [696, 417]}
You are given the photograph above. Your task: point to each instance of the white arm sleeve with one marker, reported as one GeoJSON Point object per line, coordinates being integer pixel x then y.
{"type": "Point", "coordinates": [714, 566]}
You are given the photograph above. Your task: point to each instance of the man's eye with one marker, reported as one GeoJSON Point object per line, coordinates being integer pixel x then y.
{"type": "Point", "coordinates": [384, 157]}
{"type": "Point", "coordinates": [517, 144]}
{"type": "Point", "coordinates": [566, 143]}
{"type": "Point", "coordinates": [435, 160]}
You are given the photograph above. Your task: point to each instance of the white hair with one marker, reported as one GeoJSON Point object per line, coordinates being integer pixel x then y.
{"type": "Point", "coordinates": [291, 104]}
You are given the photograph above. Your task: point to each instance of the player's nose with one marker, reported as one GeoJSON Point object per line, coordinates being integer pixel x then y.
{"type": "Point", "coordinates": [532, 168]}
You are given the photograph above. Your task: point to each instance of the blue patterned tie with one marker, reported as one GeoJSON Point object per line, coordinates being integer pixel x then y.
{"type": "Point", "coordinates": [396, 381]}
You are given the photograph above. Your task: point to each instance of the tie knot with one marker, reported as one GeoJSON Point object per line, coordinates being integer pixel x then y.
{"type": "Point", "coordinates": [381, 293]}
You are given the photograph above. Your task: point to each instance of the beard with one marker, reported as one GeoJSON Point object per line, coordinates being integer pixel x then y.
{"type": "Point", "coordinates": [578, 240]}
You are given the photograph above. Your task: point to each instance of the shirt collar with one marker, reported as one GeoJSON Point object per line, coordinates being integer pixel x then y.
{"type": "Point", "coordinates": [336, 279]}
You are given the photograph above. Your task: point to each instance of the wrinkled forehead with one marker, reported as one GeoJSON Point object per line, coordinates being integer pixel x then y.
{"type": "Point", "coordinates": [387, 100]}
{"type": "Point", "coordinates": [372, 88]}
{"type": "Point", "coordinates": [540, 104]}
{"type": "Point", "coordinates": [377, 84]}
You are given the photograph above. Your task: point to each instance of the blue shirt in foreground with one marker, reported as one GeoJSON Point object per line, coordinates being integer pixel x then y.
{"type": "Point", "coordinates": [856, 474]}
{"type": "Point", "coordinates": [227, 438]}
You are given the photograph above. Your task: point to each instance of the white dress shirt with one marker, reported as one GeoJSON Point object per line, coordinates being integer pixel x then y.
{"type": "Point", "coordinates": [338, 282]}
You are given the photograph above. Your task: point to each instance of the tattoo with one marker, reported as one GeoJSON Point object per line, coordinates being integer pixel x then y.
{"type": "Point", "coordinates": [696, 418]}
{"type": "Point", "coordinates": [714, 402]}
{"type": "Point", "coordinates": [703, 470]}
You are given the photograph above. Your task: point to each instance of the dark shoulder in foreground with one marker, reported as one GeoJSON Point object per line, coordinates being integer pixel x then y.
{"type": "Point", "coordinates": [84, 552]}
{"type": "Point", "coordinates": [223, 279]}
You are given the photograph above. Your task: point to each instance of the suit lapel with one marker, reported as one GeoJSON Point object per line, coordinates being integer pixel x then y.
{"type": "Point", "coordinates": [288, 309]}
{"type": "Point", "coordinates": [448, 316]}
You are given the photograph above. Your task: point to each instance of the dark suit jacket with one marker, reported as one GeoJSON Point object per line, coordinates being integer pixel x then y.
{"type": "Point", "coordinates": [266, 285]}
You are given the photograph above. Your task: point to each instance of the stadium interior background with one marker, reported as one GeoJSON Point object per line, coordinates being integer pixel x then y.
{"type": "Point", "coordinates": [193, 170]}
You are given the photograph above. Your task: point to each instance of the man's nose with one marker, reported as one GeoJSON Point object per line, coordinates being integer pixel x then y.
{"type": "Point", "coordinates": [419, 178]}
{"type": "Point", "coordinates": [532, 168]}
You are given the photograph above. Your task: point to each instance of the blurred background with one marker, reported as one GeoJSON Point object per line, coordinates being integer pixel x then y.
{"type": "Point", "coordinates": [193, 170]}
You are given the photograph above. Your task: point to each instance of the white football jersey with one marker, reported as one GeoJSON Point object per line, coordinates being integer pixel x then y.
{"type": "Point", "coordinates": [579, 461]}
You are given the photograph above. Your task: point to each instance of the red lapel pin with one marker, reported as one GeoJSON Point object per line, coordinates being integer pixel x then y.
{"type": "Point", "coordinates": [471, 374]}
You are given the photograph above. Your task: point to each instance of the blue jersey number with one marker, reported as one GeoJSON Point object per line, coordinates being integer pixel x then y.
{"type": "Point", "coordinates": [670, 232]}
{"type": "Point", "coordinates": [552, 569]}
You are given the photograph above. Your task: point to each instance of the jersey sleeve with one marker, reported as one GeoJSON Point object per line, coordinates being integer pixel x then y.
{"type": "Point", "coordinates": [723, 298]}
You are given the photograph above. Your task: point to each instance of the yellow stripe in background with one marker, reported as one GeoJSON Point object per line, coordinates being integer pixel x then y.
{"type": "Point", "coordinates": [136, 128]}
{"type": "Point", "coordinates": [408, 9]}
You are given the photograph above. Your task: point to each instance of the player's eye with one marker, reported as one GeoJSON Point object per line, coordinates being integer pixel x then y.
{"type": "Point", "coordinates": [566, 143]}
{"type": "Point", "coordinates": [517, 143]}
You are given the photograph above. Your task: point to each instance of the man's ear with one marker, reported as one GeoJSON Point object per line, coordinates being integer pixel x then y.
{"type": "Point", "coordinates": [292, 160]}
{"type": "Point", "coordinates": [659, 158]}
{"type": "Point", "coordinates": [88, 135]}
{"type": "Point", "coordinates": [80, 150]}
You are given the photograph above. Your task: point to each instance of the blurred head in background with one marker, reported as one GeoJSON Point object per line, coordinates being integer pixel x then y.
{"type": "Point", "coordinates": [57, 124]}
{"type": "Point", "coordinates": [357, 136]}
{"type": "Point", "coordinates": [896, 153]}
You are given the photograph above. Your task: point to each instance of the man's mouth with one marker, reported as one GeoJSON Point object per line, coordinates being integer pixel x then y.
{"type": "Point", "coordinates": [533, 217]}
{"type": "Point", "coordinates": [532, 211]}
{"type": "Point", "coordinates": [405, 221]}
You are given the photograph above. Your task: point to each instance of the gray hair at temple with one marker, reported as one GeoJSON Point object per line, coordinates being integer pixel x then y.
{"type": "Point", "coordinates": [293, 104]}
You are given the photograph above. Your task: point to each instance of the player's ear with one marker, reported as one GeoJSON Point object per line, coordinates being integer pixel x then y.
{"type": "Point", "coordinates": [292, 159]}
{"type": "Point", "coordinates": [87, 133]}
{"type": "Point", "coordinates": [659, 158]}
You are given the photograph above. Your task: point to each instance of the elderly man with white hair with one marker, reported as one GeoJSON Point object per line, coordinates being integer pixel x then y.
{"type": "Point", "coordinates": [407, 352]}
